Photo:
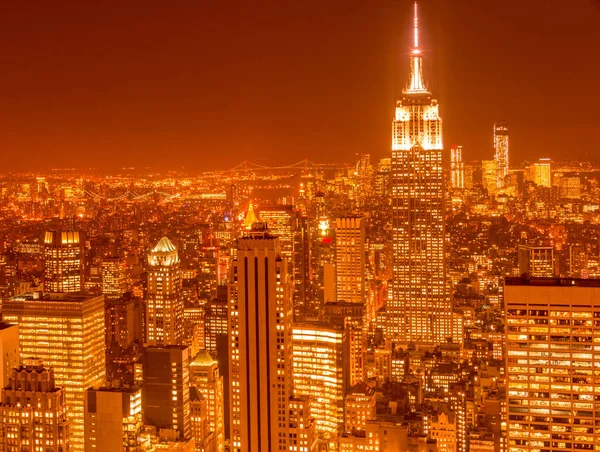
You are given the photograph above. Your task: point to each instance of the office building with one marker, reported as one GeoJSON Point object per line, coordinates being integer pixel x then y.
{"type": "Point", "coordinates": [164, 304]}
{"type": "Point", "coordinates": [457, 168]}
{"type": "Point", "coordinates": [205, 377]}
{"type": "Point", "coordinates": [489, 176]}
{"type": "Point", "coordinates": [114, 282]}
{"type": "Point", "coordinates": [419, 309]}
{"type": "Point", "coordinates": [320, 372]}
{"type": "Point", "coordinates": [166, 390]}
{"type": "Point", "coordinates": [541, 173]}
{"type": "Point", "coordinates": [203, 437]}
{"type": "Point", "coordinates": [351, 317]}
{"type": "Point", "coordinates": [215, 323]}
{"type": "Point", "coordinates": [501, 152]}
{"type": "Point", "coordinates": [66, 332]}
{"type": "Point", "coordinates": [302, 426]}
{"type": "Point", "coordinates": [113, 419]}
{"type": "Point", "coordinates": [537, 261]}
{"type": "Point", "coordinates": [350, 259]}
{"type": "Point", "coordinates": [63, 261]}
{"type": "Point", "coordinates": [31, 400]}
{"type": "Point", "coordinates": [551, 329]}
{"type": "Point", "coordinates": [360, 406]}
{"type": "Point", "coordinates": [260, 372]}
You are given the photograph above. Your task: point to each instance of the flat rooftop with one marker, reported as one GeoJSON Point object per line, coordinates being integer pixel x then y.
{"type": "Point", "coordinates": [545, 282]}
{"type": "Point", "coordinates": [47, 296]}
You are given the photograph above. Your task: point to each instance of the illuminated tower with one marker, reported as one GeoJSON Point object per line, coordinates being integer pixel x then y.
{"type": "Point", "coordinates": [114, 283]}
{"type": "Point", "coordinates": [419, 309]}
{"type": "Point", "coordinates": [350, 259]}
{"type": "Point", "coordinates": [260, 372]}
{"type": "Point", "coordinates": [65, 331]}
{"type": "Point", "coordinates": [33, 411]}
{"type": "Point", "coordinates": [489, 176]}
{"type": "Point", "coordinates": [501, 151]}
{"type": "Point", "coordinates": [540, 173]}
{"type": "Point", "coordinates": [164, 305]}
{"type": "Point", "coordinates": [457, 168]}
{"type": "Point", "coordinates": [321, 373]}
{"type": "Point", "coordinates": [63, 255]}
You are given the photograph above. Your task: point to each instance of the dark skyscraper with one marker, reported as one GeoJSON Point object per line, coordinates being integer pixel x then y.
{"type": "Point", "coordinates": [166, 392]}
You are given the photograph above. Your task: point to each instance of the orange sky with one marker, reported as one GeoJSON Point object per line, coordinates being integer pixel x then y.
{"type": "Point", "coordinates": [207, 84]}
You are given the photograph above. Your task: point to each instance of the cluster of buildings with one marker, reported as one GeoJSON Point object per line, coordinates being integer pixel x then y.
{"type": "Point", "coordinates": [395, 306]}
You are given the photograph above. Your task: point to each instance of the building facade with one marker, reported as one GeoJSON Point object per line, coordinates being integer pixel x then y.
{"type": "Point", "coordinates": [63, 261]}
{"type": "Point", "coordinates": [552, 325]}
{"type": "Point", "coordinates": [33, 411]}
{"type": "Point", "coordinates": [113, 419]}
{"type": "Point", "coordinates": [166, 389]}
{"type": "Point", "coordinates": [260, 372]}
{"type": "Point", "coordinates": [164, 304]}
{"type": "Point", "coordinates": [350, 259]}
{"type": "Point", "coordinates": [66, 332]}
{"type": "Point", "coordinates": [419, 309]}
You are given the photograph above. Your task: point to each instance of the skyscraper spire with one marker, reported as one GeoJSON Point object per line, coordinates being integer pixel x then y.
{"type": "Point", "coordinates": [416, 29]}
{"type": "Point", "coordinates": [416, 84]}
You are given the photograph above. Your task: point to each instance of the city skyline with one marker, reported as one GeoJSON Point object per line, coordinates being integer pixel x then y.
{"type": "Point", "coordinates": [414, 300]}
{"type": "Point", "coordinates": [102, 88]}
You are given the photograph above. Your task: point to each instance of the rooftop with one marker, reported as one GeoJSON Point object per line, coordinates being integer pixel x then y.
{"type": "Point", "coordinates": [203, 359]}
{"type": "Point", "coordinates": [48, 296]}
{"type": "Point", "coordinates": [558, 282]}
{"type": "Point", "coordinates": [164, 246]}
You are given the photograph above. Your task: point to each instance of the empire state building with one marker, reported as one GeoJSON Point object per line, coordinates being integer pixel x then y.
{"type": "Point", "coordinates": [419, 310]}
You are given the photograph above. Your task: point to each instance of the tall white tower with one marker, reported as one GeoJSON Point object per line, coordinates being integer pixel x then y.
{"type": "Point", "coordinates": [420, 309]}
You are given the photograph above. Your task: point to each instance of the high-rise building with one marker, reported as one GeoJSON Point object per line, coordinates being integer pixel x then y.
{"type": "Point", "coordinates": [164, 304]}
{"type": "Point", "coordinates": [66, 332]}
{"type": "Point", "coordinates": [260, 372]}
{"type": "Point", "coordinates": [9, 351]}
{"type": "Point", "coordinates": [552, 325]}
{"type": "Point", "coordinates": [166, 390]}
{"type": "Point", "coordinates": [202, 436]}
{"type": "Point", "coordinates": [302, 427]}
{"type": "Point", "coordinates": [489, 176]}
{"type": "Point", "coordinates": [350, 317]}
{"type": "Point", "coordinates": [350, 259]}
{"type": "Point", "coordinates": [215, 323]}
{"type": "Point", "coordinates": [420, 308]}
{"type": "Point", "coordinates": [501, 152]}
{"type": "Point", "coordinates": [320, 372]}
{"type": "Point", "coordinates": [457, 168]}
{"type": "Point", "coordinates": [33, 411]}
{"type": "Point", "coordinates": [536, 261]}
{"type": "Point", "coordinates": [541, 173]}
{"type": "Point", "coordinates": [208, 272]}
{"type": "Point", "coordinates": [113, 419]}
{"type": "Point", "coordinates": [204, 376]}
{"type": "Point", "coordinates": [63, 257]}
{"type": "Point", "coordinates": [281, 221]}
{"type": "Point", "coordinates": [360, 406]}
{"type": "Point", "coordinates": [114, 282]}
